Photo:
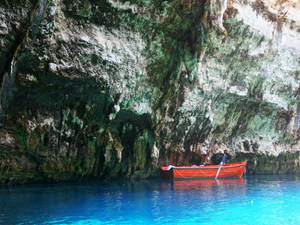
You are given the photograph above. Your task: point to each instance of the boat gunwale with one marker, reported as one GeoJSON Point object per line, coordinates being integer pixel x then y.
{"type": "Point", "coordinates": [205, 168]}
{"type": "Point", "coordinates": [224, 166]}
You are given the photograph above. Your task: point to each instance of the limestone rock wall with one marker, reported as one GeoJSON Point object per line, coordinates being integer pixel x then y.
{"type": "Point", "coordinates": [94, 88]}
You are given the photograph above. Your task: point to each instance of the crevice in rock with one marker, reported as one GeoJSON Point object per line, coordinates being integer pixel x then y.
{"type": "Point", "coordinates": [7, 78]}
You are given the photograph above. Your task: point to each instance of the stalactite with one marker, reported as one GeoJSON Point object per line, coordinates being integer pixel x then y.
{"type": "Point", "coordinates": [281, 18]}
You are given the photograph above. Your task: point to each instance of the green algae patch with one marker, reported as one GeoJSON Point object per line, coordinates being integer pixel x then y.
{"type": "Point", "coordinates": [246, 117]}
{"type": "Point", "coordinates": [89, 10]}
{"type": "Point", "coordinates": [143, 146]}
{"type": "Point", "coordinates": [256, 87]}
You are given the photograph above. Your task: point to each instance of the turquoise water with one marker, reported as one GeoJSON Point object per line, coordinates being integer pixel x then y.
{"type": "Point", "coordinates": [253, 200]}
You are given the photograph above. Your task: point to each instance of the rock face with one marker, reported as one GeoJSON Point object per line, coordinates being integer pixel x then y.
{"type": "Point", "coordinates": [94, 88]}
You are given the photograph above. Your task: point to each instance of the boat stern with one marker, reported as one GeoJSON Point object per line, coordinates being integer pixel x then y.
{"type": "Point", "coordinates": [166, 172]}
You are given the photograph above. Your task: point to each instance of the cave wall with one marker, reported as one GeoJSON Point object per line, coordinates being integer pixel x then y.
{"type": "Point", "coordinates": [107, 89]}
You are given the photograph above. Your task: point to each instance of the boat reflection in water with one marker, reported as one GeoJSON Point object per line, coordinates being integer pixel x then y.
{"type": "Point", "coordinates": [208, 190]}
{"type": "Point", "coordinates": [206, 183]}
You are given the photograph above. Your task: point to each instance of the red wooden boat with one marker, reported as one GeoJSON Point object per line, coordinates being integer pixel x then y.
{"type": "Point", "coordinates": [203, 172]}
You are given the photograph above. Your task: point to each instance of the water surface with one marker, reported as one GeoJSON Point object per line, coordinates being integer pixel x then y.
{"type": "Point", "coordinates": [253, 200]}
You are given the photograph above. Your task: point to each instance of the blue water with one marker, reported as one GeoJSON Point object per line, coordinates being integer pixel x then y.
{"type": "Point", "coordinates": [253, 200]}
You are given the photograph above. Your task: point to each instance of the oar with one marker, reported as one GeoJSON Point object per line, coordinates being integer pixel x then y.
{"type": "Point", "coordinates": [218, 171]}
{"type": "Point", "coordinates": [222, 162]}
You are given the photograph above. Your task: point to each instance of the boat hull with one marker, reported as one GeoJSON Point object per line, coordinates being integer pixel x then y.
{"type": "Point", "coordinates": [204, 172]}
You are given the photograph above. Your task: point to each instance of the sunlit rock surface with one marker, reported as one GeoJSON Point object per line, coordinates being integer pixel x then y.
{"type": "Point", "coordinates": [105, 89]}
